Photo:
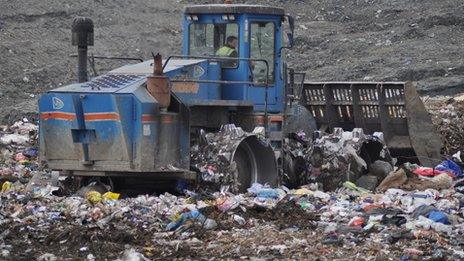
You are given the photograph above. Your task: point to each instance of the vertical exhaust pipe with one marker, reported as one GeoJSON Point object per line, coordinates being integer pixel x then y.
{"type": "Point", "coordinates": [82, 37]}
{"type": "Point", "coordinates": [158, 84]}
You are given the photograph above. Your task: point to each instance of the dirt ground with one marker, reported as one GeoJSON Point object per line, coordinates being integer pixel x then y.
{"type": "Point", "coordinates": [356, 40]}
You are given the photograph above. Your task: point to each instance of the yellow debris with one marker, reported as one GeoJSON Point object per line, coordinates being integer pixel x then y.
{"type": "Point", "coordinates": [93, 197]}
{"type": "Point", "coordinates": [111, 196]}
{"type": "Point", "coordinates": [6, 186]}
{"type": "Point", "coordinates": [303, 191]}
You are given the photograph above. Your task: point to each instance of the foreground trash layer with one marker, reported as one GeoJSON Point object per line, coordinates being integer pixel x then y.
{"type": "Point", "coordinates": [408, 219]}
{"type": "Point", "coordinates": [264, 222]}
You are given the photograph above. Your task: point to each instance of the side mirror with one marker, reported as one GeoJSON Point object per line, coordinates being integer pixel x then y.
{"type": "Point", "coordinates": [290, 40]}
{"type": "Point", "coordinates": [291, 22]}
{"type": "Point", "coordinates": [291, 25]}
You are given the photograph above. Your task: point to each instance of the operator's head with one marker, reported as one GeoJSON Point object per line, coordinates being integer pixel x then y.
{"type": "Point", "coordinates": [232, 41]}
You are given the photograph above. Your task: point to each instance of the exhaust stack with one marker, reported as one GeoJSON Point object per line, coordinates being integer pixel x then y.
{"type": "Point", "coordinates": [158, 84]}
{"type": "Point", "coordinates": [82, 37]}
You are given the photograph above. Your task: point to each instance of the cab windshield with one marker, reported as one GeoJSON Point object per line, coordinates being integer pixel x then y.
{"type": "Point", "coordinates": [207, 39]}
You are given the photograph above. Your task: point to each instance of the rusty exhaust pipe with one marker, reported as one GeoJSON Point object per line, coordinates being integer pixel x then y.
{"type": "Point", "coordinates": [158, 84]}
{"type": "Point", "coordinates": [82, 37]}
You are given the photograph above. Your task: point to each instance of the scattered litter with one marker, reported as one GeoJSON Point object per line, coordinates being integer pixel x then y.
{"type": "Point", "coordinates": [405, 207]}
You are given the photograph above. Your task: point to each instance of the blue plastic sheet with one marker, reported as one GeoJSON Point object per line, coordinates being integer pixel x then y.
{"type": "Point", "coordinates": [439, 216]}
{"type": "Point", "coordinates": [450, 166]}
{"type": "Point", "coordinates": [195, 214]}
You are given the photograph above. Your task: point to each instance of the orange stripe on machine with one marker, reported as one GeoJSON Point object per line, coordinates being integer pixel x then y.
{"type": "Point", "coordinates": [66, 116]}
{"type": "Point", "coordinates": [166, 119]}
{"type": "Point", "coordinates": [271, 118]}
{"type": "Point", "coordinates": [101, 116]}
{"type": "Point", "coordinates": [148, 118]}
{"type": "Point", "coordinates": [276, 118]}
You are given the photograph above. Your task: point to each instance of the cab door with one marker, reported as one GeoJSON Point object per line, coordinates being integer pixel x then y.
{"type": "Point", "coordinates": [262, 44]}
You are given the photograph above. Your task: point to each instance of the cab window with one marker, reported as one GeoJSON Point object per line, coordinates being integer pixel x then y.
{"type": "Point", "coordinates": [262, 47]}
{"type": "Point", "coordinates": [208, 39]}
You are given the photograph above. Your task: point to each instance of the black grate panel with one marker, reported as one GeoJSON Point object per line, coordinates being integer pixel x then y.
{"type": "Point", "coordinates": [112, 81]}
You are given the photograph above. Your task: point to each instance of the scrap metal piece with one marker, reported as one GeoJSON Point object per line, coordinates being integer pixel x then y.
{"type": "Point", "coordinates": [425, 139]}
{"type": "Point", "coordinates": [255, 162]}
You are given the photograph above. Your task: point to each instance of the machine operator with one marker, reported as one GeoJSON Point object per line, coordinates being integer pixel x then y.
{"type": "Point", "coordinates": [229, 50]}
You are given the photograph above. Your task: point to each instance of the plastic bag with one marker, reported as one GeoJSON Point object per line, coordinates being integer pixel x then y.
{"type": "Point", "coordinates": [450, 166]}
{"type": "Point", "coordinates": [357, 222]}
{"type": "Point", "coordinates": [428, 172]}
{"type": "Point", "coordinates": [352, 186]}
{"type": "Point", "coordinates": [268, 193]}
{"type": "Point", "coordinates": [93, 197]}
{"type": "Point", "coordinates": [111, 196]}
{"type": "Point", "coordinates": [303, 192]}
{"type": "Point", "coordinates": [262, 192]}
{"type": "Point", "coordinates": [439, 217]}
{"type": "Point", "coordinates": [179, 220]}
{"type": "Point", "coordinates": [6, 186]}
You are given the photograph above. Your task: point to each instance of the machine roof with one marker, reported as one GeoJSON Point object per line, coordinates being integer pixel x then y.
{"type": "Point", "coordinates": [126, 76]}
{"type": "Point", "coordinates": [233, 9]}
{"type": "Point", "coordinates": [146, 67]}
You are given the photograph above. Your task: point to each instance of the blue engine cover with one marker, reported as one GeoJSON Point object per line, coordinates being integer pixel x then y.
{"type": "Point", "coordinates": [112, 124]}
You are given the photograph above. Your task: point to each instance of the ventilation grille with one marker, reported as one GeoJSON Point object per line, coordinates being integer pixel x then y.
{"type": "Point", "coordinates": [112, 81]}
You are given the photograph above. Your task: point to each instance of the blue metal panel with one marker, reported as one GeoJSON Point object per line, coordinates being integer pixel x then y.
{"type": "Point", "coordinates": [93, 127]}
{"type": "Point", "coordinates": [214, 73]}
{"type": "Point", "coordinates": [100, 112]}
{"type": "Point", "coordinates": [57, 117]}
{"type": "Point", "coordinates": [201, 71]}
{"type": "Point", "coordinates": [108, 132]}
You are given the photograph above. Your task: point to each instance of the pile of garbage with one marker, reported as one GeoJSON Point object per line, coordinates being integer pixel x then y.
{"type": "Point", "coordinates": [272, 222]}
{"type": "Point", "coordinates": [412, 176]}
{"type": "Point", "coordinates": [332, 159]}
{"type": "Point", "coordinates": [18, 148]}
{"type": "Point", "coordinates": [411, 211]}
{"type": "Point", "coordinates": [448, 116]}
{"type": "Point", "coordinates": [213, 156]}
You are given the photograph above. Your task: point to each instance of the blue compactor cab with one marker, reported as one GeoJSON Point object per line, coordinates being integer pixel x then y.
{"type": "Point", "coordinates": [140, 120]}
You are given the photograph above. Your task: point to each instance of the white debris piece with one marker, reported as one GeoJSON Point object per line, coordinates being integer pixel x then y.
{"type": "Point", "coordinates": [15, 139]}
{"type": "Point", "coordinates": [132, 255]}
